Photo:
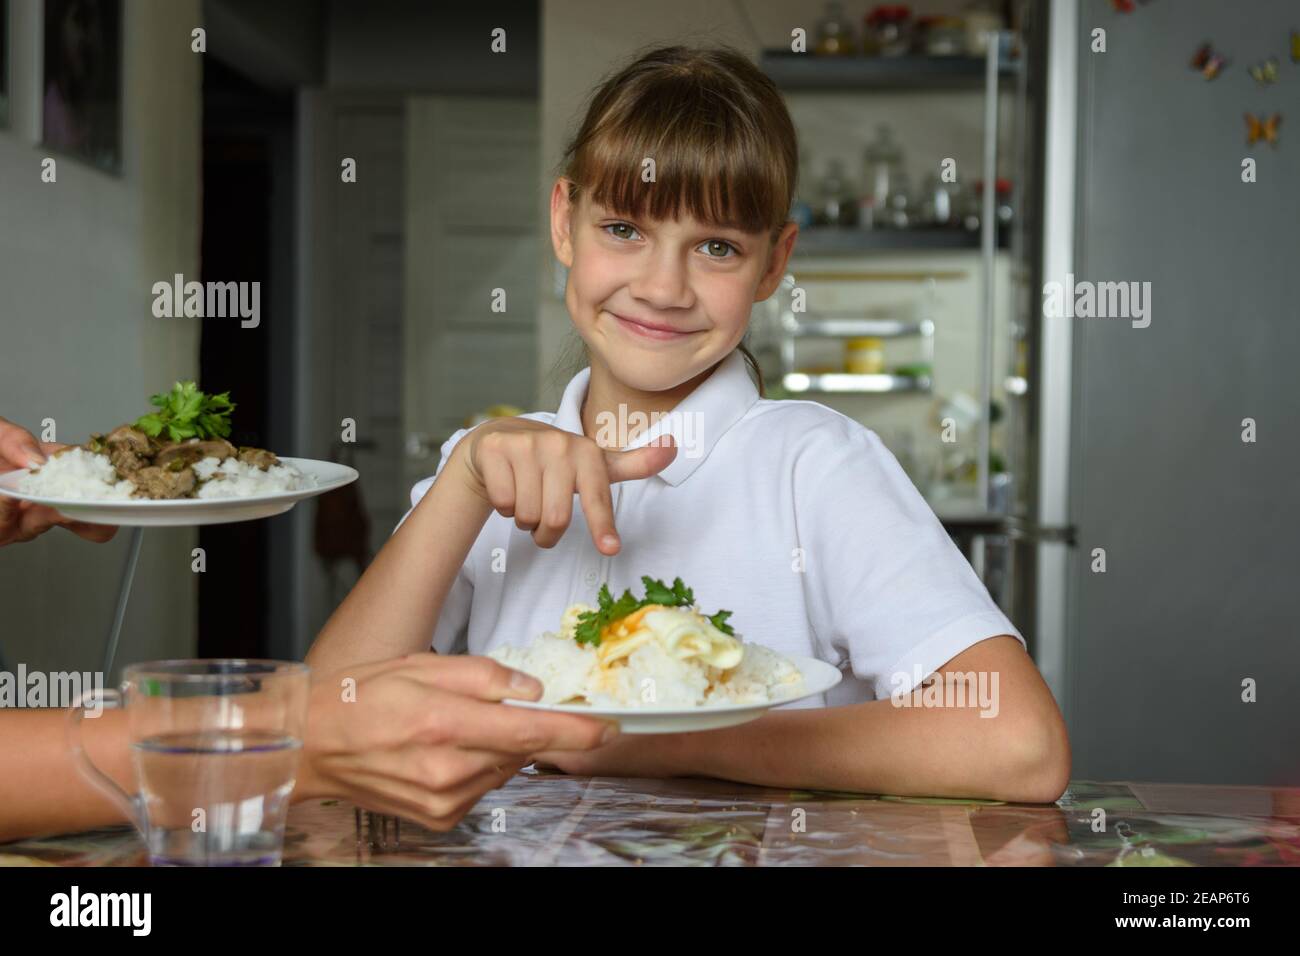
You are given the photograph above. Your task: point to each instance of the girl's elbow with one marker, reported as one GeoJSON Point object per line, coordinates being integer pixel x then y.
{"type": "Point", "coordinates": [1041, 761]}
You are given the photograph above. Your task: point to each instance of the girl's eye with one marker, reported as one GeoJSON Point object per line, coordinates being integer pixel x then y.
{"type": "Point", "coordinates": [718, 249]}
{"type": "Point", "coordinates": [713, 248]}
{"type": "Point", "coordinates": [621, 226]}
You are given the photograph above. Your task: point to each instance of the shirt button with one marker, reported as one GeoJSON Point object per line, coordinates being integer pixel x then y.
{"type": "Point", "coordinates": [590, 579]}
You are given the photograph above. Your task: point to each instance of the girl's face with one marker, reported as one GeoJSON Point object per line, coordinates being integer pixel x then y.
{"type": "Point", "coordinates": [660, 302]}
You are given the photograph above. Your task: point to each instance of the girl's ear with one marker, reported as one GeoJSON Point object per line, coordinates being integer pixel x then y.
{"type": "Point", "coordinates": [782, 248]}
{"type": "Point", "coordinates": [562, 211]}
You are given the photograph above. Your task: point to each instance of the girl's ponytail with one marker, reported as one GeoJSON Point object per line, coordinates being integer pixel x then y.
{"type": "Point", "coordinates": [754, 368]}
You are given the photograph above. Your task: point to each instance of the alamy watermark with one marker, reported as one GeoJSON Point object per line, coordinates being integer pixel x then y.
{"type": "Point", "coordinates": [209, 300]}
{"type": "Point", "coordinates": [951, 689]}
{"type": "Point", "coordinates": [26, 688]}
{"type": "Point", "coordinates": [129, 910]}
{"type": "Point", "coordinates": [616, 429]}
{"type": "Point", "coordinates": [1098, 300]}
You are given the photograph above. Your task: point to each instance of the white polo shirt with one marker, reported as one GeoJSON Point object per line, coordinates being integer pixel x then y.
{"type": "Point", "coordinates": [789, 514]}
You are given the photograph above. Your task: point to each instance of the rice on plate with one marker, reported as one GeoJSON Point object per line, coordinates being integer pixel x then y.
{"type": "Point", "coordinates": [79, 474]}
{"type": "Point", "coordinates": [659, 652]}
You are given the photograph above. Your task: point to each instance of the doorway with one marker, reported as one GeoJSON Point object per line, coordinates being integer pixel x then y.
{"type": "Point", "coordinates": [247, 237]}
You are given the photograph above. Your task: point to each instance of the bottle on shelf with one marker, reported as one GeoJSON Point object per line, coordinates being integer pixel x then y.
{"type": "Point", "coordinates": [836, 205]}
{"type": "Point", "coordinates": [902, 211]}
{"type": "Point", "coordinates": [938, 202]}
{"type": "Point", "coordinates": [882, 168]}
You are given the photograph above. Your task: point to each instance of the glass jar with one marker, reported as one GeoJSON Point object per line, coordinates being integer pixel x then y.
{"type": "Point", "coordinates": [981, 17]}
{"type": "Point", "coordinates": [834, 33]}
{"type": "Point", "coordinates": [887, 31]}
{"type": "Point", "coordinates": [864, 356]}
{"type": "Point", "coordinates": [942, 36]}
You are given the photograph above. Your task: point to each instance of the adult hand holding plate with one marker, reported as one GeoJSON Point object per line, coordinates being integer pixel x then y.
{"type": "Point", "coordinates": [22, 521]}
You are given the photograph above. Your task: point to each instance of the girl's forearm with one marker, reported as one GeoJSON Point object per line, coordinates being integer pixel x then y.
{"type": "Point", "coordinates": [395, 606]}
{"type": "Point", "coordinates": [877, 747]}
{"type": "Point", "coordinates": [41, 790]}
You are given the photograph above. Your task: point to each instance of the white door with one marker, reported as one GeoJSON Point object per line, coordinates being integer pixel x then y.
{"type": "Point", "coordinates": [471, 241]}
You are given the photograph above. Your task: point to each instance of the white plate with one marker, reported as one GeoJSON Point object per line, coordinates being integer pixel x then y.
{"type": "Point", "coordinates": [183, 512]}
{"type": "Point", "coordinates": [818, 677]}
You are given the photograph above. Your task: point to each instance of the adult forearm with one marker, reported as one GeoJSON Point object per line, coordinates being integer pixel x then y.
{"type": "Point", "coordinates": [395, 606]}
{"type": "Point", "coordinates": [41, 790]}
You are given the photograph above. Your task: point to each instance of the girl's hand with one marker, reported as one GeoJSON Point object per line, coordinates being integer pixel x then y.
{"type": "Point", "coordinates": [424, 736]}
{"type": "Point", "coordinates": [529, 471]}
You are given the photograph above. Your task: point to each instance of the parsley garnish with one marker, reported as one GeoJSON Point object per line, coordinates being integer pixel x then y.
{"type": "Point", "coordinates": [591, 623]}
{"type": "Point", "coordinates": [185, 412]}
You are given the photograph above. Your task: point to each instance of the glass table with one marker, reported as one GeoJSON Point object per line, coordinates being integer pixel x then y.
{"type": "Point", "coordinates": [542, 819]}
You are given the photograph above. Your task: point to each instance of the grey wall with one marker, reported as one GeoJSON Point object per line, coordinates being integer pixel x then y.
{"type": "Point", "coordinates": [1199, 529]}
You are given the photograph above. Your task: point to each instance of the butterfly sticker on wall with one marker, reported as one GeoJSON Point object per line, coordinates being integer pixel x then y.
{"type": "Point", "coordinates": [1208, 63]}
{"type": "Point", "coordinates": [1262, 129]}
{"type": "Point", "coordinates": [1265, 73]}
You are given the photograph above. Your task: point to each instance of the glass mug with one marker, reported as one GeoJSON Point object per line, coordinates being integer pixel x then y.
{"type": "Point", "coordinates": [215, 747]}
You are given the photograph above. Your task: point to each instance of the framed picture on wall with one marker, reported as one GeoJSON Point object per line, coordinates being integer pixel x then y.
{"type": "Point", "coordinates": [81, 103]}
{"type": "Point", "coordinates": [4, 62]}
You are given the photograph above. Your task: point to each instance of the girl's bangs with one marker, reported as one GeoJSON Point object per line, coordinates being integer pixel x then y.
{"type": "Point", "coordinates": [727, 181]}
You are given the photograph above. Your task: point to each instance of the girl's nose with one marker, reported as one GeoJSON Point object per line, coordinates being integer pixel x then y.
{"type": "Point", "coordinates": [663, 283]}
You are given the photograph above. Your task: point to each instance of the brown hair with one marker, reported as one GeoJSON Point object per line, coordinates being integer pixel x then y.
{"type": "Point", "coordinates": [723, 144]}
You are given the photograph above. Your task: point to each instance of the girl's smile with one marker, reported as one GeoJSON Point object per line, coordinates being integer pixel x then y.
{"type": "Point", "coordinates": [649, 329]}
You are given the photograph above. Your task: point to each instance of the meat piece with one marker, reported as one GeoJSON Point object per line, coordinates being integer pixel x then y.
{"type": "Point", "coordinates": [188, 452]}
{"type": "Point", "coordinates": [132, 438]}
{"type": "Point", "coordinates": [258, 457]}
{"type": "Point", "coordinates": [164, 482]}
{"type": "Point", "coordinates": [127, 448]}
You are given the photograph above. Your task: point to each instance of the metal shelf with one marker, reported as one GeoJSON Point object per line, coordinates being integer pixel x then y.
{"type": "Point", "coordinates": [845, 327]}
{"type": "Point", "coordinates": [842, 382]}
{"type": "Point", "coordinates": [849, 240]}
{"type": "Point", "coordinates": [807, 71]}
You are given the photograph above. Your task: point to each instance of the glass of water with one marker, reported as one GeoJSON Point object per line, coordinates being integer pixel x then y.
{"type": "Point", "coordinates": [215, 747]}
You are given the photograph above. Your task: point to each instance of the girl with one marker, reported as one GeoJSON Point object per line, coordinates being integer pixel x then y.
{"type": "Point", "coordinates": [671, 216]}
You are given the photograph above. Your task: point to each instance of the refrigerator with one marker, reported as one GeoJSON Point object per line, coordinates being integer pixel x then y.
{"type": "Point", "coordinates": [1159, 550]}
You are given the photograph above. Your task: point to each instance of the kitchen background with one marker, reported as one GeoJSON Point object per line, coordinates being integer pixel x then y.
{"type": "Point", "coordinates": [923, 319]}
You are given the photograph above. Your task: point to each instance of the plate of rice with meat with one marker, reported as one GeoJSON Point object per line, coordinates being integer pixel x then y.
{"type": "Point", "coordinates": [172, 467]}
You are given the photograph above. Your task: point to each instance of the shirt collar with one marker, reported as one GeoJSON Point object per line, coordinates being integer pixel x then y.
{"type": "Point", "coordinates": [697, 422]}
